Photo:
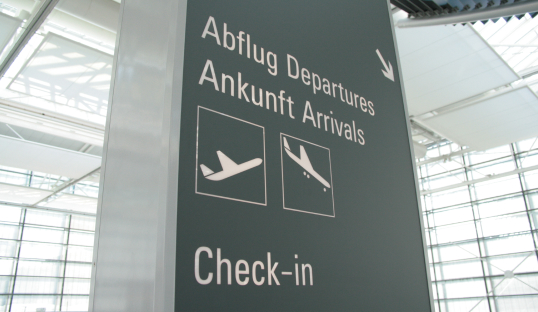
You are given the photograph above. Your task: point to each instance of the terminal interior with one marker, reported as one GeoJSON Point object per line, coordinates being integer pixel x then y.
{"type": "Point", "coordinates": [471, 92]}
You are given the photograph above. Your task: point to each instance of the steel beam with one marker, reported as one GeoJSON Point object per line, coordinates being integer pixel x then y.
{"type": "Point", "coordinates": [65, 185]}
{"type": "Point", "coordinates": [48, 209]}
{"type": "Point", "coordinates": [489, 178]}
{"type": "Point", "coordinates": [46, 121]}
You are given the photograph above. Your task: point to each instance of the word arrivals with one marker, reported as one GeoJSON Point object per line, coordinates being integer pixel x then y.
{"type": "Point", "coordinates": [356, 135]}
{"type": "Point", "coordinates": [244, 271]}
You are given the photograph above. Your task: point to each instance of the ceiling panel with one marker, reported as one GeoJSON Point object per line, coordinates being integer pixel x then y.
{"type": "Point", "coordinates": [8, 26]}
{"type": "Point", "coordinates": [38, 137]}
{"type": "Point", "coordinates": [33, 156]}
{"type": "Point", "coordinates": [60, 131]}
{"type": "Point", "coordinates": [74, 202]}
{"type": "Point", "coordinates": [516, 41]}
{"type": "Point", "coordinates": [21, 194]}
{"type": "Point", "coordinates": [504, 119]}
{"type": "Point", "coordinates": [445, 64]}
{"type": "Point", "coordinates": [67, 72]}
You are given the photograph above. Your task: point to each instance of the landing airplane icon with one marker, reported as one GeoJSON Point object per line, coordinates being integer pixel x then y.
{"type": "Point", "coordinates": [229, 167]}
{"type": "Point", "coordinates": [305, 163]}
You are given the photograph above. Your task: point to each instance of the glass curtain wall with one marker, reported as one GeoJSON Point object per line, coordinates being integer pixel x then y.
{"type": "Point", "coordinates": [45, 254]}
{"type": "Point", "coordinates": [55, 65]}
{"type": "Point", "coordinates": [45, 260]}
{"type": "Point", "coordinates": [480, 213]}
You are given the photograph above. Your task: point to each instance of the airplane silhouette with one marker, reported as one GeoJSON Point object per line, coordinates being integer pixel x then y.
{"type": "Point", "coordinates": [305, 163]}
{"type": "Point", "coordinates": [229, 167]}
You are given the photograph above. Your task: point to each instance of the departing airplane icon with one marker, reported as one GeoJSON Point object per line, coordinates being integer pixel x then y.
{"type": "Point", "coordinates": [229, 167]}
{"type": "Point", "coordinates": [305, 163]}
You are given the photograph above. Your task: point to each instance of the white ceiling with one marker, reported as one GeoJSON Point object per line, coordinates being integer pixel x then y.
{"type": "Point", "coordinates": [8, 26]}
{"type": "Point", "coordinates": [516, 40]}
{"type": "Point", "coordinates": [21, 194]}
{"type": "Point", "coordinates": [445, 64]}
{"type": "Point", "coordinates": [75, 203]}
{"type": "Point", "coordinates": [55, 96]}
{"type": "Point", "coordinates": [67, 72]}
{"type": "Point", "coordinates": [507, 118]}
{"type": "Point", "coordinates": [38, 157]}
{"type": "Point", "coordinates": [44, 122]}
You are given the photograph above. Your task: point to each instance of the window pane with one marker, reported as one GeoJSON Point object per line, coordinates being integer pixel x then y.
{"type": "Point", "coordinates": [5, 284]}
{"type": "Point", "coordinates": [519, 263]}
{"type": "Point", "coordinates": [504, 225]}
{"type": "Point", "coordinates": [442, 167]}
{"type": "Point", "coordinates": [456, 252]}
{"type": "Point", "coordinates": [13, 178]}
{"type": "Point", "coordinates": [533, 200]}
{"type": "Point", "coordinates": [501, 206]}
{"type": "Point", "coordinates": [534, 217]}
{"type": "Point", "coordinates": [531, 179]}
{"type": "Point", "coordinates": [4, 301]}
{"type": "Point", "coordinates": [77, 286]}
{"type": "Point", "coordinates": [81, 238]}
{"type": "Point", "coordinates": [445, 179]}
{"type": "Point", "coordinates": [32, 303]}
{"type": "Point", "coordinates": [8, 248]}
{"type": "Point", "coordinates": [528, 159]}
{"type": "Point", "coordinates": [10, 214]}
{"type": "Point", "coordinates": [75, 303]}
{"type": "Point", "coordinates": [464, 305]}
{"type": "Point", "coordinates": [46, 218]}
{"type": "Point", "coordinates": [454, 233]}
{"type": "Point", "coordinates": [40, 268]}
{"type": "Point", "coordinates": [462, 288]}
{"type": "Point", "coordinates": [7, 267]}
{"type": "Point", "coordinates": [448, 198]}
{"type": "Point", "coordinates": [517, 303]}
{"type": "Point", "coordinates": [501, 166]}
{"type": "Point", "coordinates": [37, 285]}
{"type": "Point", "coordinates": [494, 153]}
{"type": "Point", "coordinates": [78, 270]}
{"type": "Point", "coordinates": [9, 231]}
{"type": "Point", "coordinates": [42, 251]}
{"type": "Point", "coordinates": [506, 245]}
{"type": "Point", "coordinates": [460, 269]}
{"type": "Point", "coordinates": [47, 235]}
{"type": "Point", "coordinates": [519, 285]}
{"type": "Point", "coordinates": [83, 254]}
{"type": "Point", "coordinates": [83, 223]}
{"type": "Point", "coordinates": [496, 187]}
{"type": "Point", "coordinates": [449, 216]}
{"type": "Point", "coordinates": [525, 145]}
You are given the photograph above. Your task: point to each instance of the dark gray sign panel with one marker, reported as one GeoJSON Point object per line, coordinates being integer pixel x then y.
{"type": "Point", "coordinates": [296, 188]}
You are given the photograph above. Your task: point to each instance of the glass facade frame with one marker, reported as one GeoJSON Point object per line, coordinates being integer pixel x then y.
{"type": "Point", "coordinates": [481, 228]}
{"type": "Point", "coordinates": [45, 259]}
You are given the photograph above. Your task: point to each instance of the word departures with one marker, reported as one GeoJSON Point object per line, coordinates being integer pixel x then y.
{"type": "Point", "coordinates": [244, 272]}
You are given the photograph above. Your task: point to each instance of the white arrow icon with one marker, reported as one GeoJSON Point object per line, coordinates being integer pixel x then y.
{"type": "Point", "coordinates": [388, 69]}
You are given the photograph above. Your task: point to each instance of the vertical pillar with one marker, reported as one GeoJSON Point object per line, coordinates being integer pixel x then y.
{"type": "Point", "coordinates": [134, 247]}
